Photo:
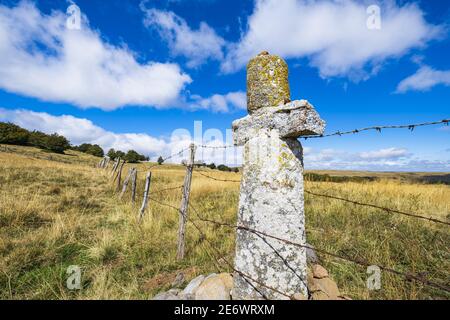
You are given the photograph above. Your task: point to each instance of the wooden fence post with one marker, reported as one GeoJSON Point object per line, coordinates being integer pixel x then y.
{"type": "Point", "coordinates": [126, 181]}
{"type": "Point", "coordinates": [114, 168]}
{"type": "Point", "coordinates": [108, 159]}
{"type": "Point", "coordinates": [119, 176]}
{"type": "Point", "coordinates": [146, 192]}
{"type": "Point", "coordinates": [100, 163]}
{"type": "Point", "coordinates": [133, 186]}
{"type": "Point", "coordinates": [185, 203]}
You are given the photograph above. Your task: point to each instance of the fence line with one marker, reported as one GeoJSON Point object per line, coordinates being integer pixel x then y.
{"type": "Point", "coordinates": [203, 235]}
{"type": "Point", "coordinates": [413, 215]}
{"type": "Point", "coordinates": [407, 276]}
{"type": "Point", "coordinates": [183, 211]}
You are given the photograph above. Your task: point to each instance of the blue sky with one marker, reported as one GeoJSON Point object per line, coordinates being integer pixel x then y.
{"type": "Point", "coordinates": [136, 71]}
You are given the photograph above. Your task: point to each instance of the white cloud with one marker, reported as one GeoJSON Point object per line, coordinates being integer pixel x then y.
{"type": "Point", "coordinates": [332, 34]}
{"type": "Point", "coordinates": [385, 154]}
{"type": "Point", "coordinates": [424, 79]}
{"type": "Point", "coordinates": [40, 57]}
{"type": "Point", "coordinates": [389, 159]}
{"type": "Point", "coordinates": [219, 102]}
{"type": "Point", "coordinates": [198, 46]}
{"type": "Point", "coordinates": [79, 131]}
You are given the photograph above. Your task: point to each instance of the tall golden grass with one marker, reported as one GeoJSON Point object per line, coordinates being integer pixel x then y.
{"type": "Point", "coordinates": [59, 210]}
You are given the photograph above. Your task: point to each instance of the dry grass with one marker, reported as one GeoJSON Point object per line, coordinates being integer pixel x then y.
{"type": "Point", "coordinates": [58, 210]}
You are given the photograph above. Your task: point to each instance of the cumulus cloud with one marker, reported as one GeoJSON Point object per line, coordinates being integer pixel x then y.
{"type": "Point", "coordinates": [332, 34]}
{"type": "Point", "coordinates": [42, 58]}
{"type": "Point", "coordinates": [79, 131]}
{"type": "Point", "coordinates": [385, 154]}
{"type": "Point", "coordinates": [220, 102]}
{"type": "Point", "coordinates": [198, 46]}
{"type": "Point", "coordinates": [424, 79]}
{"type": "Point", "coordinates": [389, 159]}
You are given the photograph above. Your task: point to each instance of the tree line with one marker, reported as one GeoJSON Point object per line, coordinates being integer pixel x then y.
{"type": "Point", "coordinates": [13, 134]}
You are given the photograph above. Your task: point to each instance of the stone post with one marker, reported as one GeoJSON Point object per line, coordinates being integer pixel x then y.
{"type": "Point", "coordinates": [271, 195]}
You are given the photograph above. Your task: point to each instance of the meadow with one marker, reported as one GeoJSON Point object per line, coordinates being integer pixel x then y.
{"type": "Point", "coordinates": [59, 210]}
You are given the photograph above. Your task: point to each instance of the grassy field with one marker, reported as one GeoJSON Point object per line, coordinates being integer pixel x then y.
{"type": "Point", "coordinates": [59, 210]}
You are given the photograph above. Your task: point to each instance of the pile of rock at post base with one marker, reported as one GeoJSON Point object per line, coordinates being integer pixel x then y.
{"type": "Point", "coordinates": [220, 287]}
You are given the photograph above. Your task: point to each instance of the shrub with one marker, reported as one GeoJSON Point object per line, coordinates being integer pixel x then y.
{"type": "Point", "coordinates": [212, 166]}
{"type": "Point", "coordinates": [13, 134]}
{"type": "Point", "coordinates": [223, 167]}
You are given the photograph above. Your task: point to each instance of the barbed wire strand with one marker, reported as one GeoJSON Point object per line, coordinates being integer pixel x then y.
{"type": "Point", "coordinates": [213, 178]}
{"type": "Point", "coordinates": [378, 128]}
{"type": "Point", "coordinates": [215, 258]}
{"type": "Point", "coordinates": [215, 147]}
{"type": "Point", "coordinates": [413, 215]}
{"type": "Point", "coordinates": [407, 276]}
{"type": "Point", "coordinates": [243, 275]}
{"type": "Point", "coordinates": [169, 157]}
{"type": "Point", "coordinates": [167, 189]}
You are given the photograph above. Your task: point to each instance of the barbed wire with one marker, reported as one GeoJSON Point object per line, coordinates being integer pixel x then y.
{"type": "Point", "coordinates": [213, 178]}
{"type": "Point", "coordinates": [204, 146]}
{"type": "Point", "coordinates": [337, 133]}
{"type": "Point", "coordinates": [408, 276]}
{"type": "Point", "coordinates": [167, 189]}
{"type": "Point", "coordinates": [378, 128]}
{"type": "Point", "coordinates": [170, 157]}
{"type": "Point", "coordinates": [244, 276]}
{"type": "Point", "coordinates": [409, 214]}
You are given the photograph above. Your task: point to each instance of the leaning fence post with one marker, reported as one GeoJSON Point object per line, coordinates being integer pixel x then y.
{"type": "Point", "coordinates": [133, 186]}
{"type": "Point", "coordinates": [114, 168]}
{"type": "Point", "coordinates": [100, 163]}
{"type": "Point", "coordinates": [119, 176]}
{"type": "Point", "coordinates": [185, 203]}
{"type": "Point", "coordinates": [146, 192]}
{"type": "Point", "coordinates": [126, 181]}
{"type": "Point", "coordinates": [107, 160]}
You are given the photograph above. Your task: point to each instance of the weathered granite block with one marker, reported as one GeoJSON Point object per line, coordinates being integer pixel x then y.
{"type": "Point", "coordinates": [291, 120]}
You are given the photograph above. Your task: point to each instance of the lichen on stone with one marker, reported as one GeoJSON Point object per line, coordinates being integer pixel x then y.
{"type": "Point", "coordinates": [267, 82]}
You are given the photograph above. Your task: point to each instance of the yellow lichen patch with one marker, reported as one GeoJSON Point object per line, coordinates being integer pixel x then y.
{"type": "Point", "coordinates": [267, 82]}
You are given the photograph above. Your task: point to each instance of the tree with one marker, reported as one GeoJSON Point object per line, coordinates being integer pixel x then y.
{"type": "Point", "coordinates": [13, 134]}
{"type": "Point", "coordinates": [160, 160]}
{"type": "Point", "coordinates": [132, 156]}
{"type": "Point", "coordinates": [212, 166]}
{"type": "Point", "coordinates": [95, 150]}
{"type": "Point", "coordinates": [111, 154]}
{"type": "Point", "coordinates": [120, 154]}
{"type": "Point", "coordinates": [223, 167]}
{"type": "Point", "coordinates": [83, 147]}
